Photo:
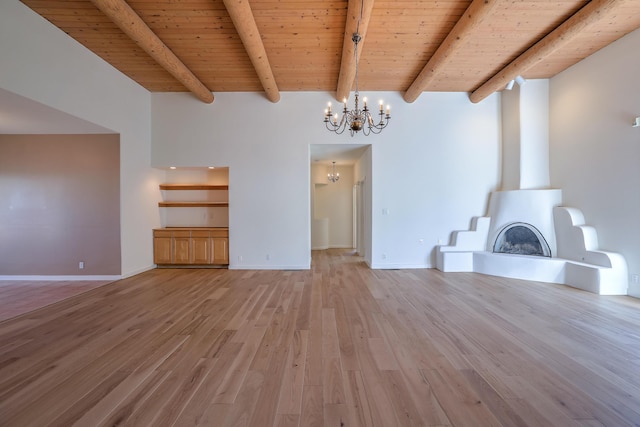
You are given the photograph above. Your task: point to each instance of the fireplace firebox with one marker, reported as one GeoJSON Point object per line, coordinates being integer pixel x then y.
{"type": "Point", "coordinates": [521, 239]}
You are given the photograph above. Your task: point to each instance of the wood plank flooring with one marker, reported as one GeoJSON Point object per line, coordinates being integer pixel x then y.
{"type": "Point", "coordinates": [338, 345]}
{"type": "Point", "coordinates": [21, 296]}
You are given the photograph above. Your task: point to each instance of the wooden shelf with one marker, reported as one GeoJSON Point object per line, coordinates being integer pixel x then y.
{"type": "Point", "coordinates": [193, 187]}
{"type": "Point", "coordinates": [193, 204]}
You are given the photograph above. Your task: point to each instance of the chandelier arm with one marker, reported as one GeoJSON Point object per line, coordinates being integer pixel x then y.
{"type": "Point", "coordinates": [334, 128]}
{"type": "Point", "coordinates": [337, 128]}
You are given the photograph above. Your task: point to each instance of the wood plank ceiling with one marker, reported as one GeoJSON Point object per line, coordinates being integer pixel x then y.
{"type": "Point", "coordinates": [409, 46]}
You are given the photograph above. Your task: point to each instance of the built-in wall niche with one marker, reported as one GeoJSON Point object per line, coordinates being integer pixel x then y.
{"type": "Point", "coordinates": [195, 197]}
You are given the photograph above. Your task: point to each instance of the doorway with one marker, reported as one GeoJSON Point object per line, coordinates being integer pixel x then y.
{"type": "Point", "coordinates": [341, 210]}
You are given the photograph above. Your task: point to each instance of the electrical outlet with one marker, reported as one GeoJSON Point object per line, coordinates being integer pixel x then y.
{"type": "Point", "coordinates": [81, 265]}
{"type": "Point", "coordinates": [635, 278]}
{"type": "Point", "coordinates": [268, 257]}
{"type": "Point", "coordinates": [384, 256]}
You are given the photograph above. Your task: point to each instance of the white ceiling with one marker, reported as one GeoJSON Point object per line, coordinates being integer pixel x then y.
{"type": "Point", "coordinates": [20, 115]}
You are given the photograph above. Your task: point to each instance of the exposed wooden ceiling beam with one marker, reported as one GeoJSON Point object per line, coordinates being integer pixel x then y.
{"type": "Point", "coordinates": [133, 26]}
{"type": "Point", "coordinates": [245, 23]}
{"type": "Point", "coordinates": [347, 64]}
{"type": "Point", "coordinates": [572, 27]}
{"type": "Point", "coordinates": [472, 17]}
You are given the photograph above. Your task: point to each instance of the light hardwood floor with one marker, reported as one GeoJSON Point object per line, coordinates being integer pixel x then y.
{"type": "Point", "coordinates": [22, 296]}
{"type": "Point", "coordinates": [339, 345]}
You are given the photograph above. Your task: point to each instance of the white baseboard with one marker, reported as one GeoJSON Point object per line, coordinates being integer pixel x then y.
{"type": "Point", "coordinates": [399, 266]}
{"type": "Point", "coordinates": [322, 248]}
{"type": "Point", "coordinates": [61, 278]}
{"type": "Point", "coordinates": [77, 278]}
{"type": "Point", "coordinates": [269, 267]}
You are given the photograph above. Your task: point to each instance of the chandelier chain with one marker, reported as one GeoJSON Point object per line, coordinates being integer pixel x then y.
{"type": "Point", "coordinates": [357, 119]}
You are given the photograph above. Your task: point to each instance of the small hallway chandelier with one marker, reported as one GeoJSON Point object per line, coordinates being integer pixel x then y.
{"type": "Point", "coordinates": [333, 176]}
{"type": "Point", "coordinates": [356, 120]}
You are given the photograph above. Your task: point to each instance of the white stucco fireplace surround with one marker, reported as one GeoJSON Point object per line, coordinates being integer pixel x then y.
{"type": "Point", "coordinates": [570, 251]}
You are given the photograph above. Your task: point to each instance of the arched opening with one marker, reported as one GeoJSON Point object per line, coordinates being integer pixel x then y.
{"type": "Point", "coordinates": [521, 239]}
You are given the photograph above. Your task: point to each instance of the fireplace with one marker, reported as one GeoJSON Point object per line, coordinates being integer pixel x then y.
{"type": "Point", "coordinates": [559, 248]}
{"type": "Point", "coordinates": [527, 233]}
{"type": "Point", "coordinates": [521, 239]}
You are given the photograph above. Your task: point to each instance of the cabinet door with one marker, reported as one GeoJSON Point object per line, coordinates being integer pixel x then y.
{"type": "Point", "coordinates": [162, 250]}
{"type": "Point", "coordinates": [220, 250]}
{"type": "Point", "coordinates": [200, 250]}
{"type": "Point", "coordinates": [181, 247]}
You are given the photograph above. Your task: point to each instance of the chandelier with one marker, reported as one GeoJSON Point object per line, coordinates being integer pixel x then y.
{"type": "Point", "coordinates": [333, 176]}
{"type": "Point", "coordinates": [356, 120]}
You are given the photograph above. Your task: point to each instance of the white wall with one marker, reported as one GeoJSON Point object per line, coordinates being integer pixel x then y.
{"type": "Point", "coordinates": [362, 174]}
{"type": "Point", "coordinates": [432, 169]}
{"type": "Point", "coordinates": [42, 63]}
{"type": "Point", "coordinates": [594, 150]}
{"type": "Point", "coordinates": [534, 124]}
{"type": "Point", "coordinates": [269, 169]}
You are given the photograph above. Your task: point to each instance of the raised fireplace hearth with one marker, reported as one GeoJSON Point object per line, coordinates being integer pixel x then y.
{"type": "Point", "coordinates": [576, 260]}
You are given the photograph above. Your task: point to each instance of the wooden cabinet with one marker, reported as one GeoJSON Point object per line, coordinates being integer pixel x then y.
{"type": "Point", "coordinates": [201, 247]}
{"type": "Point", "coordinates": [162, 247]}
{"type": "Point", "coordinates": [191, 246]}
{"type": "Point", "coordinates": [220, 250]}
{"type": "Point", "coordinates": [220, 246]}
{"type": "Point", "coordinates": [181, 247]}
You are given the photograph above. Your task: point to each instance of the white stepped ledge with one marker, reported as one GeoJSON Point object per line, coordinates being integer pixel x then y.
{"type": "Point", "coordinates": [578, 263]}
